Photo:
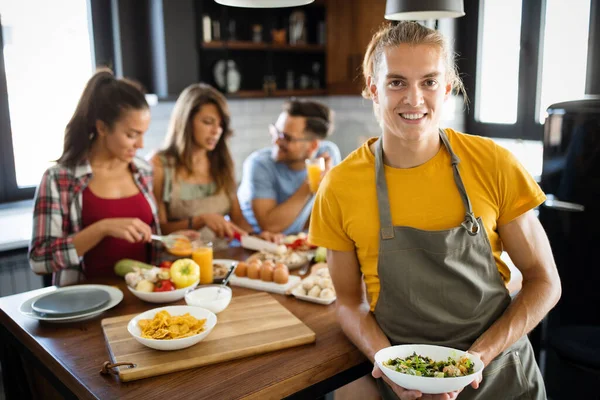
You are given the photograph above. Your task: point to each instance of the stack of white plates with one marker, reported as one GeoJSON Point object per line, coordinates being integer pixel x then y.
{"type": "Point", "coordinates": [72, 303]}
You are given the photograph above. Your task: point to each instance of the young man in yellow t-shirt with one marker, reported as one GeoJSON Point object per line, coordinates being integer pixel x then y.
{"type": "Point", "coordinates": [422, 216]}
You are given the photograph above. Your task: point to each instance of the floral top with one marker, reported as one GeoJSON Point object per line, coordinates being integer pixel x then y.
{"type": "Point", "coordinates": [57, 218]}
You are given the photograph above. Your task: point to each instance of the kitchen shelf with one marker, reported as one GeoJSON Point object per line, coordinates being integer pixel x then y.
{"type": "Point", "coordinates": [246, 45]}
{"type": "Point", "coordinates": [245, 94]}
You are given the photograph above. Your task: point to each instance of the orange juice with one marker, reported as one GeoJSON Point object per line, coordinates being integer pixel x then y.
{"type": "Point", "coordinates": [314, 171]}
{"type": "Point", "coordinates": [203, 256]}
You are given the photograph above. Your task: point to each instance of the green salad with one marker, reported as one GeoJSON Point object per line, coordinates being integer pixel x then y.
{"type": "Point", "coordinates": [424, 366]}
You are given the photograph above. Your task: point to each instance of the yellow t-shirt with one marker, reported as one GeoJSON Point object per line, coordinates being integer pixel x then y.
{"type": "Point", "coordinates": [345, 215]}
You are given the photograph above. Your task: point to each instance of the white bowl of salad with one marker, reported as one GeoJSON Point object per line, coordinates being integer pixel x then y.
{"type": "Point", "coordinates": [429, 369]}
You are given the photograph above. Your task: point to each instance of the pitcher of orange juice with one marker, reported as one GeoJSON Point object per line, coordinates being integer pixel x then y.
{"type": "Point", "coordinates": [315, 168]}
{"type": "Point", "coordinates": [202, 254]}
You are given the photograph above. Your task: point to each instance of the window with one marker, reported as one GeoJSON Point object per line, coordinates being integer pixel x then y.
{"type": "Point", "coordinates": [530, 54]}
{"type": "Point", "coordinates": [47, 60]}
{"type": "Point", "coordinates": [500, 46]}
{"type": "Point", "coordinates": [565, 50]}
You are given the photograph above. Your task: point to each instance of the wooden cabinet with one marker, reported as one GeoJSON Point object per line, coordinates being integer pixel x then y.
{"type": "Point", "coordinates": [350, 26]}
{"type": "Point", "coordinates": [240, 54]}
{"type": "Point", "coordinates": [168, 49]}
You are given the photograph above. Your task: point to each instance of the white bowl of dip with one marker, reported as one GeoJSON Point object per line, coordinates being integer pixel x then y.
{"type": "Point", "coordinates": [215, 298]}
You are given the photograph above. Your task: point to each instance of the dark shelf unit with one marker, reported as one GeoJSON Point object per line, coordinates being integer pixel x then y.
{"type": "Point", "coordinates": [264, 61]}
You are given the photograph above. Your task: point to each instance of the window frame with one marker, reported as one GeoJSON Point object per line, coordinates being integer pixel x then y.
{"type": "Point", "coordinates": [9, 190]}
{"type": "Point", "coordinates": [530, 70]}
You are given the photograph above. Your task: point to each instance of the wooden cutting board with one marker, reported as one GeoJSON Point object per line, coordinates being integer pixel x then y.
{"type": "Point", "coordinates": [251, 325]}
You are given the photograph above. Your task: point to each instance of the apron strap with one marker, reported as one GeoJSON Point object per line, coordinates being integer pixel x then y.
{"type": "Point", "coordinates": [470, 223]}
{"type": "Point", "coordinates": [383, 200]}
{"type": "Point", "coordinates": [385, 215]}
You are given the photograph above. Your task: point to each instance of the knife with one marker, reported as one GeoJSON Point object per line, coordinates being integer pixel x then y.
{"type": "Point", "coordinates": [254, 243]}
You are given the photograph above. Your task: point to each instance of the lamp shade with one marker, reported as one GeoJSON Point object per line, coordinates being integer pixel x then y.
{"type": "Point", "coordinates": [416, 10]}
{"type": "Point", "coordinates": [264, 3]}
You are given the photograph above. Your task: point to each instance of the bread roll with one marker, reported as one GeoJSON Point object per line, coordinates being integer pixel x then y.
{"type": "Point", "coordinates": [315, 291]}
{"type": "Point", "coordinates": [324, 283]}
{"type": "Point", "coordinates": [308, 284]}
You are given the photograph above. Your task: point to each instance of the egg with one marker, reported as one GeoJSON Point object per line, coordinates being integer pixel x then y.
{"type": "Point", "coordinates": [281, 275]}
{"type": "Point", "coordinates": [254, 271]}
{"type": "Point", "coordinates": [281, 265]}
{"type": "Point", "coordinates": [266, 273]}
{"type": "Point", "coordinates": [269, 263]}
{"type": "Point", "coordinates": [256, 261]}
{"type": "Point", "coordinates": [242, 269]}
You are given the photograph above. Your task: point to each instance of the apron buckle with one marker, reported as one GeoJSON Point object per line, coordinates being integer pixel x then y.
{"type": "Point", "coordinates": [387, 232]}
{"type": "Point", "coordinates": [471, 224]}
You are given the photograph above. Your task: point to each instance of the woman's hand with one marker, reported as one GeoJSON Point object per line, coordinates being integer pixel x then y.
{"type": "Point", "coordinates": [271, 237]}
{"type": "Point", "coordinates": [131, 229]}
{"type": "Point", "coordinates": [220, 226]}
{"type": "Point", "coordinates": [405, 394]}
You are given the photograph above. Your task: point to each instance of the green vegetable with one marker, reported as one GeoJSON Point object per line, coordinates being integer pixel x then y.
{"type": "Point", "coordinates": [424, 366]}
{"type": "Point", "coordinates": [122, 267]}
{"type": "Point", "coordinates": [320, 254]}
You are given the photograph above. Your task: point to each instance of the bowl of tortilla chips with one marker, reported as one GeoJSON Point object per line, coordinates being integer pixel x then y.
{"type": "Point", "coordinates": [173, 327]}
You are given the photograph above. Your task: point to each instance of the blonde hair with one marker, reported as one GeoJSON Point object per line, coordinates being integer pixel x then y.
{"type": "Point", "coordinates": [412, 33]}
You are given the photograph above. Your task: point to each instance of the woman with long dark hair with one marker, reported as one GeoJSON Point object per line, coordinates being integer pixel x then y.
{"type": "Point", "coordinates": [95, 206]}
{"type": "Point", "coordinates": [194, 176]}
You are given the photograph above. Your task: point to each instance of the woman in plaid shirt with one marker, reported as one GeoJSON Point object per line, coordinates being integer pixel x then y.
{"type": "Point", "coordinates": [95, 206]}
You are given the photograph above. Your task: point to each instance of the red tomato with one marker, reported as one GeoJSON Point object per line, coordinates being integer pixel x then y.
{"type": "Point", "coordinates": [166, 264]}
{"type": "Point", "coordinates": [164, 285]}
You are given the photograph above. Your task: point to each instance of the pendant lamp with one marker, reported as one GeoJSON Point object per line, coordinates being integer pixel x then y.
{"type": "Point", "coordinates": [264, 3]}
{"type": "Point", "coordinates": [416, 10]}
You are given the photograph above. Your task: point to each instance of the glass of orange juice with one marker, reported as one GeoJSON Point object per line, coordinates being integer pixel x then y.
{"type": "Point", "coordinates": [315, 167]}
{"type": "Point", "coordinates": [202, 254]}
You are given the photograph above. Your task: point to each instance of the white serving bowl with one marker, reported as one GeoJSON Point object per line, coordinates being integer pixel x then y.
{"type": "Point", "coordinates": [206, 297]}
{"type": "Point", "coordinates": [173, 344]}
{"type": "Point", "coordinates": [422, 383]}
{"type": "Point", "coordinates": [163, 297]}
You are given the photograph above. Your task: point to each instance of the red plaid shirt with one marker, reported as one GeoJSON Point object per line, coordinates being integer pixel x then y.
{"type": "Point", "coordinates": [57, 218]}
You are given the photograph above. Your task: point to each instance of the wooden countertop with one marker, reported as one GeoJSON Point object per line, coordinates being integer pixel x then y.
{"type": "Point", "coordinates": [75, 352]}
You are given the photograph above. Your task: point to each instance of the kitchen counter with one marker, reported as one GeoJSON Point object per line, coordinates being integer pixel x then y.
{"type": "Point", "coordinates": [70, 356]}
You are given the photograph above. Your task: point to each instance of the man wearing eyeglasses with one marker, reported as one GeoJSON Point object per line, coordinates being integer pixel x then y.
{"type": "Point", "coordinates": [274, 194]}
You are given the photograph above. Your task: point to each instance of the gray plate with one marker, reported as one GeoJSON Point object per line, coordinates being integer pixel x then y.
{"type": "Point", "coordinates": [71, 302]}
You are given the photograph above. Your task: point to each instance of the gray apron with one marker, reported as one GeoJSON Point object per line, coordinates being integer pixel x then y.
{"type": "Point", "coordinates": [443, 287]}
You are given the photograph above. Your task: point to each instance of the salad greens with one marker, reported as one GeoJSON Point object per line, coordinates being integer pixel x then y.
{"type": "Point", "coordinates": [424, 366]}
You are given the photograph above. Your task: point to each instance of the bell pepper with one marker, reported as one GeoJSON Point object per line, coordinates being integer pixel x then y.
{"type": "Point", "coordinates": [164, 285]}
{"type": "Point", "coordinates": [298, 243]}
{"type": "Point", "coordinates": [184, 272]}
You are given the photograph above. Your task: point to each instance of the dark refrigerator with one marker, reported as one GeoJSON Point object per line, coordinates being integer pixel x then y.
{"type": "Point", "coordinates": [570, 335]}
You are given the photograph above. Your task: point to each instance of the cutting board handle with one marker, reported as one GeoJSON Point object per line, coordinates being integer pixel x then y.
{"type": "Point", "coordinates": [108, 368]}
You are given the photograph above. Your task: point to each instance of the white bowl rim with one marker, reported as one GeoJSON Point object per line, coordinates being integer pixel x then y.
{"type": "Point", "coordinates": [179, 340]}
{"type": "Point", "coordinates": [446, 379]}
{"type": "Point", "coordinates": [190, 297]}
{"type": "Point", "coordinates": [200, 287]}
{"type": "Point", "coordinates": [190, 287]}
